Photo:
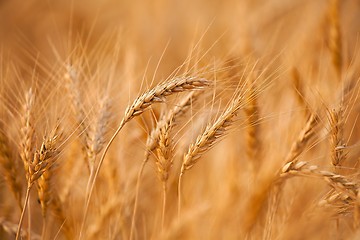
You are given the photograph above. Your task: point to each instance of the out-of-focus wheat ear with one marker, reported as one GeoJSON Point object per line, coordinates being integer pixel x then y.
{"type": "Point", "coordinates": [26, 148]}
{"type": "Point", "coordinates": [337, 143]}
{"type": "Point", "coordinates": [96, 136]}
{"type": "Point", "coordinates": [9, 167]}
{"type": "Point", "coordinates": [304, 137]}
{"type": "Point", "coordinates": [335, 43]}
{"type": "Point", "coordinates": [97, 131]}
{"type": "Point", "coordinates": [11, 228]}
{"type": "Point", "coordinates": [112, 206]}
{"type": "Point", "coordinates": [56, 207]}
{"type": "Point", "coordinates": [141, 104]}
{"type": "Point", "coordinates": [72, 86]}
{"type": "Point", "coordinates": [251, 109]}
{"type": "Point", "coordinates": [299, 90]}
{"type": "Point", "coordinates": [27, 130]}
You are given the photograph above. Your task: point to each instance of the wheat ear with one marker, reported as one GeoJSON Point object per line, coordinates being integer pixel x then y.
{"type": "Point", "coordinates": [211, 135]}
{"type": "Point", "coordinates": [207, 139]}
{"type": "Point", "coordinates": [335, 44]}
{"type": "Point", "coordinates": [251, 109]}
{"type": "Point", "coordinates": [337, 143]}
{"type": "Point", "coordinates": [142, 103]}
{"type": "Point", "coordinates": [305, 135]}
{"type": "Point", "coordinates": [45, 191]}
{"type": "Point", "coordinates": [71, 79]}
{"type": "Point", "coordinates": [26, 148]}
{"type": "Point", "coordinates": [42, 160]}
{"type": "Point", "coordinates": [9, 168]}
{"type": "Point", "coordinates": [96, 136]}
{"type": "Point", "coordinates": [164, 162]}
{"type": "Point", "coordinates": [338, 182]}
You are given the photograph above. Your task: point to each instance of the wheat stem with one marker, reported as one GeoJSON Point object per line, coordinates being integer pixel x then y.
{"type": "Point", "coordinates": [23, 211]}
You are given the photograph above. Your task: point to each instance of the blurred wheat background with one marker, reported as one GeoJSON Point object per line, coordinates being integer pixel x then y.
{"type": "Point", "coordinates": [179, 119]}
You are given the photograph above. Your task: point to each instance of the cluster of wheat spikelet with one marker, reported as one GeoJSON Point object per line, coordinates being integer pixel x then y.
{"type": "Point", "coordinates": [241, 126]}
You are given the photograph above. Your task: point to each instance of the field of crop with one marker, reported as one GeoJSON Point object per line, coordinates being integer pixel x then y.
{"type": "Point", "coordinates": [184, 119]}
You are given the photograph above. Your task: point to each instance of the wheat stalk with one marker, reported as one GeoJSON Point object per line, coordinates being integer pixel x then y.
{"type": "Point", "coordinates": [299, 90]}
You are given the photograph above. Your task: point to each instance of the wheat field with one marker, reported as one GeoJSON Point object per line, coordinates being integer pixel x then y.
{"type": "Point", "coordinates": [179, 119]}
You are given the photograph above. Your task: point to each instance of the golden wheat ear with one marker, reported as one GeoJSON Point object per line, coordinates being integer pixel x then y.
{"type": "Point", "coordinates": [212, 134]}
{"type": "Point", "coordinates": [251, 109]}
{"type": "Point", "coordinates": [50, 152]}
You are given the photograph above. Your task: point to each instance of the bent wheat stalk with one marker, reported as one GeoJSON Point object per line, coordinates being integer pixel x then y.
{"type": "Point", "coordinates": [141, 104]}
